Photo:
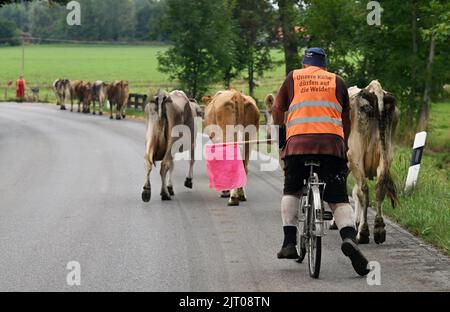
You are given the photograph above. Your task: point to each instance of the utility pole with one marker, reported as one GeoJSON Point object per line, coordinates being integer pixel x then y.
{"type": "Point", "coordinates": [23, 56]}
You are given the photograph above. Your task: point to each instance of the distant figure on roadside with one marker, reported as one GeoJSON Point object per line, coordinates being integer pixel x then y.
{"type": "Point", "coordinates": [20, 89]}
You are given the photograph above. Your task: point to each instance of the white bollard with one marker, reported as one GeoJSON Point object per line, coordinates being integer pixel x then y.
{"type": "Point", "coordinates": [413, 173]}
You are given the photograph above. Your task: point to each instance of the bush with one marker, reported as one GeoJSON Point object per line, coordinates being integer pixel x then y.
{"type": "Point", "coordinates": [9, 35]}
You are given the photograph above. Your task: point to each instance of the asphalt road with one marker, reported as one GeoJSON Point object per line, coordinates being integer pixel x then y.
{"type": "Point", "coordinates": [70, 190]}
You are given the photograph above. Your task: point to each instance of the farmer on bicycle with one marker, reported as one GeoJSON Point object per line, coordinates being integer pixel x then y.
{"type": "Point", "coordinates": [313, 110]}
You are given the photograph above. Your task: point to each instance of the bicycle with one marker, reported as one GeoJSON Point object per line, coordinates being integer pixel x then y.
{"type": "Point", "coordinates": [314, 218]}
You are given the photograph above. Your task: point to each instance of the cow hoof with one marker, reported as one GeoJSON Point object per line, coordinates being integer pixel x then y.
{"type": "Point", "coordinates": [241, 195]}
{"type": "Point", "coordinates": [165, 197]}
{"type": "Point", "coordinates": [379, 235]}
{"type": "Point", "coordinates": [171, 192]}
{"type": "Point", "coordinates": [63, 108]}
{"type": "Point", "coordinates": [226, 194]}
{"type": "Point", "coordinates": [101, 114]}
{"type": "Point", "coordinates": [124, 116]}
{"type": "Point", "coordinates": [111, 118]}
{"type": "Point", "coordinates": [188, 183]}
{"type": "Point", "coordinates": [71, 110]}
{"type": "Point", "coordinates": [94, 113]}
{"type": "Point", "coordinates": [363, 239]}
{"type": "Point", "coordinates": [118, 118]}
{"type": "Point", "coordinates": [234, 201]}
{"type": "Point", "coordinates": [242, 198]}
{"type": "Point", "coordinates": [146, 195]}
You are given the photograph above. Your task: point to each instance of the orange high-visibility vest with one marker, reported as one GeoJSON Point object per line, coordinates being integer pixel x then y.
{"type": "Point", "coordinates": [315, 108]}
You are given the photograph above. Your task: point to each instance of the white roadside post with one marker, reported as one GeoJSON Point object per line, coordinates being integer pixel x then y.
{"type": "Point", "coordinates": [413, 173]}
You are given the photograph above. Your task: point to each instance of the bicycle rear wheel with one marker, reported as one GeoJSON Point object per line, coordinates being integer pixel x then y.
{"type": "Point", "coordinates": [314, 241]}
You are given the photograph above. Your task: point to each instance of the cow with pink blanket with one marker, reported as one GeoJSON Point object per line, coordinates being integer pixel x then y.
{"type": "Point", "coordinates": [231, 116]}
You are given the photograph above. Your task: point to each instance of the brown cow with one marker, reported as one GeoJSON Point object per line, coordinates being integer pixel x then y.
{"type": "Point", "coordinates": [374, 118]}
{"type": "Point", "coordinates": [118, 93]}
{"type": "Point", "coordinates": [232, 109]}
{"type": "Point", "coordinates": [81, 91]}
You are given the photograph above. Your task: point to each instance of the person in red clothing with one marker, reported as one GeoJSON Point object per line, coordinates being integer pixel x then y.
{"type": "Point", "coordinates": [316, 104]}
{"type": "Point", "coordinates": [20, 89]}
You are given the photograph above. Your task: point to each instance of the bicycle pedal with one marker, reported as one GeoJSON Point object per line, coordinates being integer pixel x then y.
{"type": "Point", "coordinates": [327, 216]}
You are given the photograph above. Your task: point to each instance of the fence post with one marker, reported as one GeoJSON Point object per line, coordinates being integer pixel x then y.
{"type": "Point", "coordinates": [144, 103]}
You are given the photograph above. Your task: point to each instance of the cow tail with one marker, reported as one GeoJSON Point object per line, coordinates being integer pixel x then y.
{"type": "Point", "coordinates": [240, 109]}
{"type": "Point", "coordinates": [387, 187]}
{"type": "Point", "coordinates": [386, 184]}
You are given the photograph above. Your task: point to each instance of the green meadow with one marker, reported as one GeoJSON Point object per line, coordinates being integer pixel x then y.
{"type": "Point", "coordinates": [137, 64]}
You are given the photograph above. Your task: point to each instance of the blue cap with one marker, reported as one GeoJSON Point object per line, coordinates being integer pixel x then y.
{"type": "Point", "coordinates": [315, 57]}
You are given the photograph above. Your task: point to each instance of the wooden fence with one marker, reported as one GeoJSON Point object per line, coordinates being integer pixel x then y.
{"type": "Point", "coordinates": [137, 101]}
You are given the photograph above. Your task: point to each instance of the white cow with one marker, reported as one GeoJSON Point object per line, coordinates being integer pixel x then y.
{"type": "Point", "coordinates": [374, 118]}
{"type": "Point", "coordinates": [61, 88]}
{"type": "Point", "coordinates": [163, 114]}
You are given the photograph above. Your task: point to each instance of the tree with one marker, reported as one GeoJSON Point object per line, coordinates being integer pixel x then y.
{"type": "Point", "coordinates": [401, 52]}
{"type": "Point", "coordinates": [4, 2]}
{"type": "Point", "coordinates": [200, 43]}
{"type": "Point", "coordinates": [254, 21]}
{"type": "Point", "coordinates": [43, 21]}
{"type": "Point", "coordinates": [334, 25]}
{"type": "Point", "coordinates": [149, 14]}
{"type": "Point", "coordinates": [16, 14]}
{"type": "Point", "coordinates": [8, 33]}
{"type": "Point", "coordinates": [288, 13]}
{"type": "Point", "coordinates": [437, 33]}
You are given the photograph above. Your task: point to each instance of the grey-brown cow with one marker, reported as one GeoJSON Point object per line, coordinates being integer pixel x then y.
{"type": "Point", "coordinates": [163, 114]}
{"type": "Point", "coordinates": [99, 92]}
{"type": "Point", "coordinates": [374, 118]}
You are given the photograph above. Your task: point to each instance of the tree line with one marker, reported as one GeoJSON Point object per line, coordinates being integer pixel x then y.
{"type": "Point", "coordinates": [106, 20]}
{"type": "Point", "coordinates": [220, 40]}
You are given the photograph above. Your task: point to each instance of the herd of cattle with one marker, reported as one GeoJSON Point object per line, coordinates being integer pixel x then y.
{"type": "Point", "coordinates": [374, 117]}
{"type": "Point", "coordinates": [87, 93]}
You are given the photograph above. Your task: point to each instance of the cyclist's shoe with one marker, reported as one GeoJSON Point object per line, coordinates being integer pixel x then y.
{"type": "Point", "coordinates": [288, 252]}
{"type": "Point", "coordinates": [359, 262]}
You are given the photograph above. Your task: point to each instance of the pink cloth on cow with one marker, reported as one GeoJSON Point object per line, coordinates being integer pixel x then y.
{"type": "Point", "coordinates": [225, 167]}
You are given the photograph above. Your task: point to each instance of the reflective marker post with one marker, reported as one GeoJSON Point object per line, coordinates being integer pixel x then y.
{"type": "Point", "coordinates": [413, 173]}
